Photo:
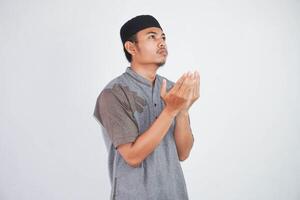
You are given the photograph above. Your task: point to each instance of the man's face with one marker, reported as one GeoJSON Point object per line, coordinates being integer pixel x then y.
{"type": "Point", "coordinates": [151, 47]}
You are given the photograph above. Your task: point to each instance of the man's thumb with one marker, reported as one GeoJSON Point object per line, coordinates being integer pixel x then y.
{"type": "Point", "coordinates": [163, 89]}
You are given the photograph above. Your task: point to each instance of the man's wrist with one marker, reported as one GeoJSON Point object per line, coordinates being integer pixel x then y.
{"type": "Point", "coordinates": [170, 112]}
{"type": "Point", "coordinates": [183, 113]}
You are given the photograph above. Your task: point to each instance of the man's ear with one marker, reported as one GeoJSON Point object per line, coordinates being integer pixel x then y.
{"type": "Point", "coordinates": [129, 46]}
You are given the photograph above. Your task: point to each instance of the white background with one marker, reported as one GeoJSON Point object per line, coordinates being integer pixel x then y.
{"type": "Point", "coordinates": [57, 55]}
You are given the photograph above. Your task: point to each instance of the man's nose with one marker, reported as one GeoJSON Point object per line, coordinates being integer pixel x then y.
{"type": "Point", "coordinates": [162, 43]}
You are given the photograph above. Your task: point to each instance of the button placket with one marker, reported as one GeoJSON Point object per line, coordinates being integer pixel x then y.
{"type": "Point", "coordinates": [153, 105]}
{"type": "Point", "coordinates": [156, 98]}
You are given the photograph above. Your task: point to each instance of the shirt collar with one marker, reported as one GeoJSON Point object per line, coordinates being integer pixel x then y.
{"type": "Point", "coordinates": [138, 77]}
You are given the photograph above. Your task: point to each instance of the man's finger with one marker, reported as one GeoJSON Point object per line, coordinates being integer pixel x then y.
{"type": "Point", "coordinates": [163, 89]}
{"type": "Point", "coordinates": [197, 84]}
{"type": "Point", "coordinates": [186, 86]}
{"type": "Point", "coordinates": [178, 83]}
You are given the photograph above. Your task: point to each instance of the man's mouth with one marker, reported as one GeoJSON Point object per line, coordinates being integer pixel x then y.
{"type": "Point", "coordinates": [163, 51]}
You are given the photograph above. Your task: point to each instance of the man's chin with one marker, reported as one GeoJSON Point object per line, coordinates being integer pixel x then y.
{"type": "Point", "coordinates": [160, 64]}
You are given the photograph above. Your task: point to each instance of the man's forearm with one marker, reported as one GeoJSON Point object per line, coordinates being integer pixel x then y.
{"type": "Point", "coordinates": [150, 139]}
{"type": "Point", "coordinates": [183, 135]}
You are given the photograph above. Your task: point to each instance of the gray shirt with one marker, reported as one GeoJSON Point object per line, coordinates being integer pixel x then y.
{"type": "Point", "coordinates": [125, 108]}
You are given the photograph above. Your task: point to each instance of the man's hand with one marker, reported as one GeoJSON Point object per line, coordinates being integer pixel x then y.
{"type": "Point", "coordinates": [194, 79]}
{"type": "Point", "coordinates": [183, 94]}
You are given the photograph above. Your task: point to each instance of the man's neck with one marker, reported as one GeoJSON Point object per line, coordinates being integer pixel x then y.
{"type": "Point", "coordinates": [146, 71]}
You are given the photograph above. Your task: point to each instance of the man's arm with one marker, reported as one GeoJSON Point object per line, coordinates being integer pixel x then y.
{"type": "Point", "coordinates": [177, 100]}
{"type": "Point", "coordinates": [183, 136]}
{"type": "Point", "coordinates": [134, 153]}
{"type": "Point", "coordinates": [183, 133]}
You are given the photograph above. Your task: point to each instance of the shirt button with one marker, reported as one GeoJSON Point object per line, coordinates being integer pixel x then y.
{"type": "Point", "coordinates": [155, 104]}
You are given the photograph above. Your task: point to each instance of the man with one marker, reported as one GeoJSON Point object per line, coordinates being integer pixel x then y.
{"type": "Point", "coordinates": [144, 119]}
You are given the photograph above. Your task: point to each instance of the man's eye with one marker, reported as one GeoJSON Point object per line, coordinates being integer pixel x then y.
{"type": "Point", "coordinates": [164, 38]}
{"type": "Point", "coordinates": [152, 36]}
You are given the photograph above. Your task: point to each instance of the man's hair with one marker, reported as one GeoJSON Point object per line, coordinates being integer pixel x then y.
{"type": "Point", "coordinates": [133, 39]}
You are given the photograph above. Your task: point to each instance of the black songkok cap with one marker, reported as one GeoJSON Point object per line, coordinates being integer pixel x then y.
{"type": "Point", "coordinates": [136, 24]}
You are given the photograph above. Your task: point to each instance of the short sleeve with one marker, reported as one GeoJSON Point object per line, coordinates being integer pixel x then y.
{"type": "Point", "coordinates": [116, 118]}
